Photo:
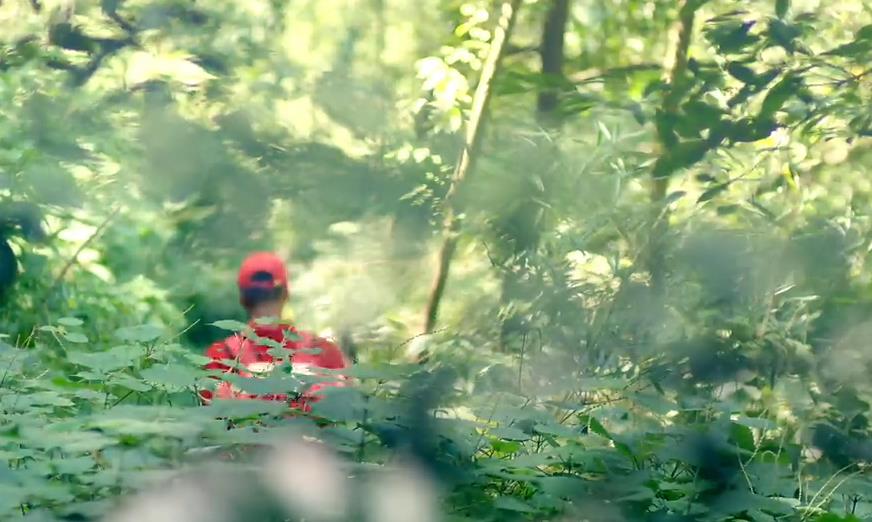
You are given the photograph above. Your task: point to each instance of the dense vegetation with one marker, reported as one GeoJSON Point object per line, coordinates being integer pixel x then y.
{"type": "Point", "coordinates": [595, 260]}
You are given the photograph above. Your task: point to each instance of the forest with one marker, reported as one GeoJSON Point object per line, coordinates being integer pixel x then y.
{"type": "Point", "coordinates": [590, 260]}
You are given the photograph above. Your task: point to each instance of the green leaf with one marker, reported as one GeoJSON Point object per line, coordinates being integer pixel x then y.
{"type": "Point", "coordinates": [561, 487]}
{"type": "Point", "coordinates": [712, 192]}
{"type": "Point", "coordinates": [510, 433]}
{"type": "Point", "coordinates": [558, 430]}
{"type": "Point", "coordinates": [274, 383]}
{"type": "Point", "coordinates": [138, 428]}
{"type": "Point", "coordinates": [594, 426]}
{"type": "Point", "coordinates": [230, 325]}
{"type": "Point", "coordinates": [860, 46]}
{"type": "Point", "coordinates": [48, 398]}
{"type": "Point", "coordinates": [640, 494]}
{"type": "Point", "coordinates": [680, 156]}
{"type": "Point", "coordinates": [342, 405]}
{"type": "Point", "coordinates": [71, 322]}
{"type": "Point", "coordinates": [741, 72]}
{"type": "Point", "coordinates": [742, 436]}
{"type": "Point", "coordinates": [731, 37]}
{"type": "Point", "coordinates": [779, 94]}
{"type": "Point", "coordinates": [71, 440]}
{"type": "Point", "coordinates": [655, 402]}
{"type": "Point", "coordinates": [266, 341]}
{"type": "Point", "coordinates": [113, 359]}
{"type": "Point", "coordinates": [705, 113]}
{"type": "Point", "coordinates": [747, 130]}
{"type": "Point", "coordinates": [675, 196]}
{"type": "Point", "coordinates": [602, 384]}
{"type": "Point", "coordinates": [74, 466]}
{"type": "Point", "coordinates": [128, 382]}
{"type": "Point", "coordinates": [197, 359]}
{"type": "Point", "coordinates": [781, 8]}
{"type": "Point", "coordinates": [505, 447]}
{"type": "Point", "coordinates": [76, 338]}
{"type": "Point", "coordinates": [760, 423]}
{"type": "Point", "coordinates": [139, 334]}
{"type": "Point", "coordinates": [604, 131]}
{"type": "Point", "coordinates": [513, 504]}
{"type": "Point", "coordinates": [784, 34]}
{"type": "Point", "coordinates": [236, 409]}
{"type": "Point", "coordinates": [749, 501]}
{"type": "Point", "coordinates": [171, 376]}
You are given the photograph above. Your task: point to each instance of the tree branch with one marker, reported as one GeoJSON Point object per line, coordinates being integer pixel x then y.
{"type": "Point", "coordinates": [72, 261]}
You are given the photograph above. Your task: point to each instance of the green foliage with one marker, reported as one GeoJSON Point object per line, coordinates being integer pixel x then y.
{"type": "Point", "coordinates": [114, 419]}
{"type": "Point", "coordinates": [162, 141]}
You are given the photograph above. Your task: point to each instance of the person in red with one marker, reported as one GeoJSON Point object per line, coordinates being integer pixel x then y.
{"type": "Point", "coordinates": [263, 292]}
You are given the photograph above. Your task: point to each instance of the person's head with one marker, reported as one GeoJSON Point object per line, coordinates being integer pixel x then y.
{"type": "Point", "coordinates": [263, 285]}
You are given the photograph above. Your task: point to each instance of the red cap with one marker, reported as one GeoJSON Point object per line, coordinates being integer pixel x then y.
{"type": "Point", "coordinates": [255, 266]}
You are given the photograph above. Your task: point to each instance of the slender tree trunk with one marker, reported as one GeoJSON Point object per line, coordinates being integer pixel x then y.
{"type": "Point", "coordinates": [676, 77]}
{"type": "Point", "coordinates": [480, 103]}
{"type": "Point", "coordinates": [552, 56]}
{"type": "Point", "coordinates": [551, 53]}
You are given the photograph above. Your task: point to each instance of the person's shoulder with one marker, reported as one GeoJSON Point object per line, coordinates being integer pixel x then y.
{"type": "Point", "coordinates": [224, 347]}
{"type": "Point", "coordinates": [331, 354]}
{"type": "Point", "coordinates": [217, 347]}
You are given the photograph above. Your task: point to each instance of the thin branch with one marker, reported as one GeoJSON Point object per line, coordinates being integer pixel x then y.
{"type": "Point", "coordinates": [121, 399]}
{"type": "Point", "coordinates": [590, 75]}
{"type": "Point", "coordinates": [512, 50]}
{"type": "Point", "coordinates": [813, 500]}
{"type": "Point", "coordinates": [72, 261]}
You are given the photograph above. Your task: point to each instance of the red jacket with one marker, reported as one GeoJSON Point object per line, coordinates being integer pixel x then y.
{"type": "Point", "coordinates": [257, 359]}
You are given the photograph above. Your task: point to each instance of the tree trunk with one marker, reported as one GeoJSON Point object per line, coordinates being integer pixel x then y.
{"type": "Point", "coordinates": [480, 103]}
{"type": "Point", "coordinates": [660, 181]}
{"type": "Point", "coordinates": [552, 56]}
{"type": "Point", "coordinates": [551, 53]}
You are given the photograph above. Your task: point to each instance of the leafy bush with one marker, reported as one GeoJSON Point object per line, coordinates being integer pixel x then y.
{"type": "Point", "coordinates": [88, 421]}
